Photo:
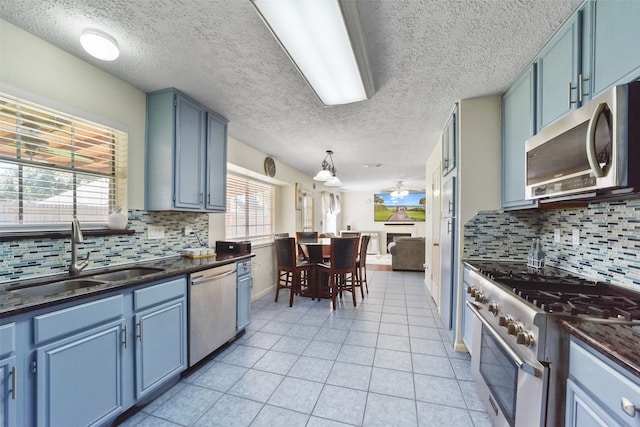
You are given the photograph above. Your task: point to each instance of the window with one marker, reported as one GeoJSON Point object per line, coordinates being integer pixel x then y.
{"type": "Point", "coordinates": [54, 166]}
{"type": "Point", "coordinates": [307, 212]}
{"type": "Point", "coordinates": [249, 210]}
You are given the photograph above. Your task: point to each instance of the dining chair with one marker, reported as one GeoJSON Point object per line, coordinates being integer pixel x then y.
{"type": "Point", "coordinates": [292, 274]}
{"type": "Point", "coordinates": [282, 235]}
{"type": "Point", "coordinates": [361, 263]}
{"type": "Point", "coordinates": [342, 267]}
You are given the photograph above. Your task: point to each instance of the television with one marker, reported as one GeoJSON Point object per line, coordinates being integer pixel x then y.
{"type": "Point", "coordinates": [408, 208]}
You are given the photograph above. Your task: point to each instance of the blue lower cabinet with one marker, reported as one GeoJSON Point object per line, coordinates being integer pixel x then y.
{"type": "Point", "coordinates": [8, 382]}
{"type": "Point", "coordinates": [160, 345]}
{"type": "Point", "coordinates": [8, 376]}
{"type": "Point", "coordinates": [93, 361]}
{"type": "Point", "coordinates": [79, 379]}
{"type": "Point", "coordinates": [243, 295]}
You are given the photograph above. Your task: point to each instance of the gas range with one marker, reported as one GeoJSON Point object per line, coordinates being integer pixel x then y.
{"type": "Point", "coordinates": [516, 311]}
{"type": "Point", "coordinates": [561, 293]}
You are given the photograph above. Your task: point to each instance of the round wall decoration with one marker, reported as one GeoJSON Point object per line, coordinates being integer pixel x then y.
{"type": "Point", "coordinates": [270, 166]}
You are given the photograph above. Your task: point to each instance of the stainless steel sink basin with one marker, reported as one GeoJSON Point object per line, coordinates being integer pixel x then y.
{"type": "Point", "coordinates": [125, 274]}
{"type": "Point", "coordinates": [56, 287]}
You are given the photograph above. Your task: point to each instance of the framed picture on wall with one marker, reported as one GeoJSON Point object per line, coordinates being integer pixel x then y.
{"type": "Point", "coordinates": [299, 196]}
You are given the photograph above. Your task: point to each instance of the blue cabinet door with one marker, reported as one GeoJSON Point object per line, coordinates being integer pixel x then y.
{"type": "Point", "coordinates": [583, 411]}
{"type": "Point", "coordinates": [518, 124]}
{"type": "Point", "coordinates": [190, 154]}
{"type": "Point", "coordinates": [216, 163]}
{"type": "Point", "coordinates": [79, 379]}
{"type": "Point", "coordinates": [160, 345]}
{"type": "Point", "coordinates": [8, 392]}
{"type": "Point", "coordinates": [557, 73]}
{"type": "Point", "coordinates": [449, 143]}
{"type": "Point", "coordinates": [616, 32]}
{"type": "Point", "coordinates": [243, 311]}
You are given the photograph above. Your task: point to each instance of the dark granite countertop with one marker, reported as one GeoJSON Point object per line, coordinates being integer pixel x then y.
{"type": "Point", "coordinates": [12, 302]}
{"type": "Point", "coordinates": [618, 342]}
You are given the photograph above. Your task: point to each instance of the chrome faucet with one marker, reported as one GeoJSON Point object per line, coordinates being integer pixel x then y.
{"type": "Point", "coordinates": [76, 237]}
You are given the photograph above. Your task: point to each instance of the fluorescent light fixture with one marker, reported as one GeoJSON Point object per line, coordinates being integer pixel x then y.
{"type": "Point", "coordinates": [324, 40]}
{"type": "Point", "coordinates": [99, 44]}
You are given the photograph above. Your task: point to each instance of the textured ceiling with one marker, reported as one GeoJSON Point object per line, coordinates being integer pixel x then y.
{"type": "Point", "coordinates": [424, 56]}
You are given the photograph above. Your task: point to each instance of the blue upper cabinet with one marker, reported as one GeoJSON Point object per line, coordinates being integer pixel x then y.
{"type": "Point", "coordinates": [185, 154]}
{"type": "Point", "coordinates": [518, 124]}
{"type": "Point", "coordinates": [558, 72]}
{"type": "Point", "coordinates": [190, 148]}
{"type": "Point", "coordinates": [616, 32]}
{"type": "Point", "coordinates": [449, 142]}
{"type": "Point", "coordinates": [217, 161]}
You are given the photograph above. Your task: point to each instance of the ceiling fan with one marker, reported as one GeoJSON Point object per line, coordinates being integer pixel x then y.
{"type": "Point", "coordinates": [400, 190]}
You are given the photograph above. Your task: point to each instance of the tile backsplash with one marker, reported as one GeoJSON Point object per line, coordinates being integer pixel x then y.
{"type": "Point", "coordinates": [21, 259]}
{"type": "Point", "coordinates": [609, 247]}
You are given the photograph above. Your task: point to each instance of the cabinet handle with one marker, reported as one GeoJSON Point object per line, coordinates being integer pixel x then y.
{"type": "Point", "coordinates": [209, 198]}
{"type": "Point", "coordinates": [436, 245]}
{"type": "Point", "coordinates": [449, 223]}
{"type": "Point", "coordinates": [140, 330]}
{"type": "Point", "coordinates": [14, 382]}
{"type": "Point", "coordinates": [580, 82]}
{"type": "Point", "coordinates": [628, 407]}
{"type": "Point", "coordinates": [124, 336]}
{"type": "Point", "coordinates": [569, 96]}
{"type": "Point", "coordinates": [450, 206]}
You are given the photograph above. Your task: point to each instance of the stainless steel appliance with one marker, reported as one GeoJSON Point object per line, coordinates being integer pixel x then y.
{"type": "Point", "coordinates": [520, 352]}
{"type": "Point", "coordinates": [591, 151]}
{"type": "Point", "coordinates": [233, 248]}
{"type": "Point", "coordinates": [212, 310]}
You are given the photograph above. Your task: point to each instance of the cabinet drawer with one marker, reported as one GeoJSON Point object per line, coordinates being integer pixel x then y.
{"type": "Point", "coordinates": [244, 267]}
{"type": "Point", "coordinates": [7, 339]}
{"type": "Point", "coordinates": [604, 382]}
{"type": "Point", "coordinates": [72, 319]}
{"type": "Point", "coordinates": [160, 293]}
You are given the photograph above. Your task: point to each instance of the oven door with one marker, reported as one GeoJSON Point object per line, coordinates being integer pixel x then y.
{"type": "Point", "coordinates": [513, 390]}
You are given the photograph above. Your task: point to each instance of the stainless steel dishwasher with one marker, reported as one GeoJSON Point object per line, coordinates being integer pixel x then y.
{"type": "Point", "coordinates": [212, 318]}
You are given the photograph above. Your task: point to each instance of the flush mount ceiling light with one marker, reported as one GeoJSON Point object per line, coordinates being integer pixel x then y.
{"type": "Point", "coordinates": [99, 44]}
{"type": "Point", "coordinates": [328, 172]}
{"type": "Point", "coordinates": [324, 41]}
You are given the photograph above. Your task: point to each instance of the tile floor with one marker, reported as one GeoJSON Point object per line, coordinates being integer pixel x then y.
{"type": "Point", "coordinates": [385, 362]}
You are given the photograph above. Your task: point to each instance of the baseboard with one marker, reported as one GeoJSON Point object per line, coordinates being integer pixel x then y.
{"type": "Point", "coordinates": [262, 293]}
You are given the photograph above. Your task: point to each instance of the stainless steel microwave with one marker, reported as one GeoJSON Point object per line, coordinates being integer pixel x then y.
{"type": "Point", "coordinates": [591, 151]}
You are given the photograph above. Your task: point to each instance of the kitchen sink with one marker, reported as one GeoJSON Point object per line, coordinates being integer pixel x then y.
{"type": "Point", "coordinates": [125, 274]}
{"type": "Point", "coordinates": [56, 287]}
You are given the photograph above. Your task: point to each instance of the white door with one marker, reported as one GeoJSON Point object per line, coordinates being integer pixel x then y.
{"type": "Point", "coordinates": [435, 235]}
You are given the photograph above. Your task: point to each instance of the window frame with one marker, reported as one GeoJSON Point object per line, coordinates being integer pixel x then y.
{"type": "Point", "coordinates": [256, 239]}
{"type": "Point", "coordinates": [24, 108]}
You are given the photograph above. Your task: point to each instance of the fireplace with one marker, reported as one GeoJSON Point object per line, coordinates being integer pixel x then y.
{"type": "Point", "coordinates": [391, 236]}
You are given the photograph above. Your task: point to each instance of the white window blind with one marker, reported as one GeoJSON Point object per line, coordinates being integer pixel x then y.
{"type": "Point", "coordinates": [307, 212]}
{"type": "Point", "coordinates": [250, 213]}
{"type": "Point", "coordinates": [55, 166]}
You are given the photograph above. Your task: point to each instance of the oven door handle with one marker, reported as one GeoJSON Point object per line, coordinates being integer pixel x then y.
{"type": "Point", "coordinates": [522, 364]}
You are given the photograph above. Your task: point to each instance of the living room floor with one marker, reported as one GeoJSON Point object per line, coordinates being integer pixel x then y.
{"type": "Point", "coordinates": [385, 362]}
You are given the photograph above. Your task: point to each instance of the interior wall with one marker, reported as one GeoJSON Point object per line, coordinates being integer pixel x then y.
{"type": "Point", "coordinates": [69, 84]}
{"type": "Point", "coordinates": [35, 70]}
{"type": "Point", "coordinates": [357, 212]}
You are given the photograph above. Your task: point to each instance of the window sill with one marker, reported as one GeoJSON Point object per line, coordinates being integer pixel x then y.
{"type": "Point", "coordinates": [58, 234]}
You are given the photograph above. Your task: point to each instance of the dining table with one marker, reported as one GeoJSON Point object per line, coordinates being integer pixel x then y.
{"type": "Point", "coordinates": [317, 252]}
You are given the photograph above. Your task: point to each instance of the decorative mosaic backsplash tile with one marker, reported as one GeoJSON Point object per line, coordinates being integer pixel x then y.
{"type": "Point", "coordinates": [21, 259]}
{"type": "Point", "coordinates": [609, 248]}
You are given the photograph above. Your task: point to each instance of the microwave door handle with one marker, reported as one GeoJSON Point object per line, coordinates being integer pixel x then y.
{"type": "Point", "coordinates": [591, 141]}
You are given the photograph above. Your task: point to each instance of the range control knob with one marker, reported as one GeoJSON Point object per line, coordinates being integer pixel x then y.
{"type": "Point", "coordinates": [526, 338]}
{"type": "Point", "coordinates": [514, 328]}
{"type": "Point", "coordinates": [481, 298]}
{"type": "Point", "coordinates": [505, 320]}
{"type": "Point", "coordinates": [493, 308]}
{"type": "Point", "coordinates": [471, 290]}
